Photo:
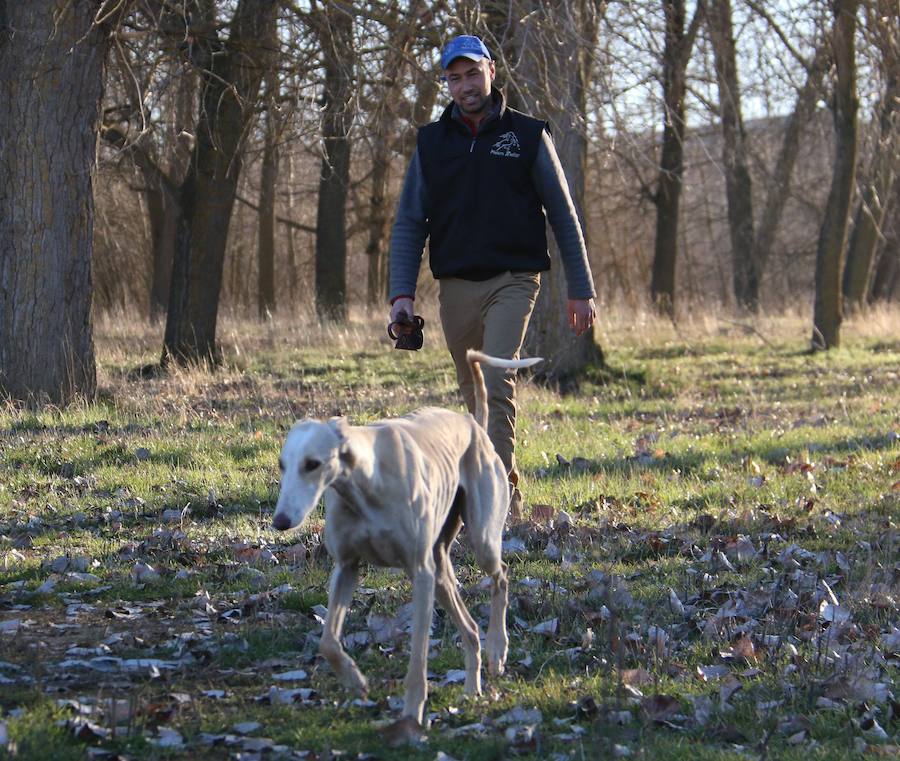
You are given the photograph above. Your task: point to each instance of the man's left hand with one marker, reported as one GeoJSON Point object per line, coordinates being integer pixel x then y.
{"type": "Point", "coordinates": [582, 313]}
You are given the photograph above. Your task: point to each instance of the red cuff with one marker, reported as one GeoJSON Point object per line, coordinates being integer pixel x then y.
{"type": "Point", "coordinates": [402, 296]}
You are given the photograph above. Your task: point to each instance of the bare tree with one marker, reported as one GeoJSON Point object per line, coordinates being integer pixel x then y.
{"type": "Point", "coordinates": [552, 49]}
{"type": "Point", "coordinates": [738, 187]}
{"type": "Point", "coordinates": [265, 291]}
{"type": "Point", "coordinates": [679, 41]}
{"type": "Point", "coordinates": [52, 54]}
{"type": "Point", "coordinates": [828, 309]}
{"type": "Point", "coordinates": [778, 186]}
{"type": "Point", "coordinates": [886, 280]}
{"type": "Point", "coordinates": [332, 23]}
{"type": "Point", "coordinates": [232, 71]}
{"type": "Point", "coordinates": [884, 26]}
{"type": "Point", "coordinates": [387, 134]}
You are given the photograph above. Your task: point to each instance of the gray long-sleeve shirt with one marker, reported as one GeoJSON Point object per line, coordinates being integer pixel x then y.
{"type": "Point", "coordinates": [411, 229]}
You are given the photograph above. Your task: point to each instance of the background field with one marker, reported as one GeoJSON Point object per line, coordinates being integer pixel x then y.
{"type": "Point", "coordinates": [709, 571]}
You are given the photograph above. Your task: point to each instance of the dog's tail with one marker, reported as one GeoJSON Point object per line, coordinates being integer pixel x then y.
{"type": "Point", "coordinates": [475, 360]}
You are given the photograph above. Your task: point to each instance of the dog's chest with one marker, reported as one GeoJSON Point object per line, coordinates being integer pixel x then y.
{"type": "Point", "coordinates": [353, 539]}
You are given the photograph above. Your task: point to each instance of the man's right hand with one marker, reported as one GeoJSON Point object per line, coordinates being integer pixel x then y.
{"type": "Point", "coordinates": [403, 304]}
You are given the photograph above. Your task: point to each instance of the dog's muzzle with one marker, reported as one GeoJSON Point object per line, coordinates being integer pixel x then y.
{"type": "Point", "coordinates": [281, 522]}
{"type": "Point", "coordinates": [406, 332]}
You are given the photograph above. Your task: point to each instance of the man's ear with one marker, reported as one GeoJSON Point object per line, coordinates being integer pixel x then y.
{"type": "Point", "coordinates": [492, 70]}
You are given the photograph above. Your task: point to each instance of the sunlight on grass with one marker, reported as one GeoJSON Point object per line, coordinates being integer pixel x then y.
{"type": "Point", "coordinates": [695, 500]}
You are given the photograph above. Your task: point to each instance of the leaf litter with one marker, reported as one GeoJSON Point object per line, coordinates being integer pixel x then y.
{"type": "Point", "coordinates": [786, 607]}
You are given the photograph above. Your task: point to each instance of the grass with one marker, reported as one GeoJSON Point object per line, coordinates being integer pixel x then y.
{"type": "Point", "coordinates": [721, 465]}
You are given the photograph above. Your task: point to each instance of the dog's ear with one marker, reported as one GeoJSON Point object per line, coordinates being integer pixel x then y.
{"type": "Point", "coordinates": [339, 425]}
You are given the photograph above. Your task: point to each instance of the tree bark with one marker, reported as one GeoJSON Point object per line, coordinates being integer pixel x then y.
{"type": "Point", "coordinates": [886, 280]}
{"type": "Point", "coordinates": [552, 80]}
{"type": "Point", "coordinates": [738, 187]}
{"type": "Point", "coordinates": [876, 194]}
{"type": "Point", "coordinates": [828, 309]}
{"type": "Point", "coordinates": [231, 76]}
{"type": "Point", "coordinates": [52, 55]}
{"type": "Point", "coordinates": [334, 26]}
{"type": "Point", "coordinates": [265, 291]}
{"type": "Point", "coordinates": [677, 52]}
{"type": "Point", "coordinates": [779, 184]}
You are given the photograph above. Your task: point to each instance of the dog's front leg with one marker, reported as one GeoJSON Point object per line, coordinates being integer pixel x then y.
{"type": "Point", "coordinates": [423, 607]}
{"type": "Point", "coordinates": [340, 593]}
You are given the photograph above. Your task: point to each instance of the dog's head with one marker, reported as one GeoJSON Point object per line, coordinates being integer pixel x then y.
{"type": "Point", "coordinates": [311, 460]}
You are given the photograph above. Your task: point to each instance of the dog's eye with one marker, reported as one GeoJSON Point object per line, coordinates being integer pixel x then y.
{"type": "Point", "coordinates": [310, 465]}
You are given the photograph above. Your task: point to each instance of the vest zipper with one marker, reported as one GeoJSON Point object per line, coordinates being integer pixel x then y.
{"type": "Point", "coordinates": [472, 146]}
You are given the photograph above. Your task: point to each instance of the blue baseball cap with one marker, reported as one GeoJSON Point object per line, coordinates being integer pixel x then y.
{"type": "Point", "coordinates": [464, 46]}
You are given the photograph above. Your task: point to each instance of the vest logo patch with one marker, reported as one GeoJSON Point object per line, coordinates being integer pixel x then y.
{"type": "Point", "coordinates": [507, 146]}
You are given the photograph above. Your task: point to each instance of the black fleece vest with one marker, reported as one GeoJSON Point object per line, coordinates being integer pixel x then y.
{"type": "Point", "coordinates": [484, 216]}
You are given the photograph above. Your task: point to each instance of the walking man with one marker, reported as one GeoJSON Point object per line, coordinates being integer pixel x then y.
{"type": "Point", "coordinates": [480, 187]}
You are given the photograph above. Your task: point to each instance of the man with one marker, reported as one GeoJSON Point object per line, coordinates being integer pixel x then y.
{"type": "Point", "coordinates": [478, 187]}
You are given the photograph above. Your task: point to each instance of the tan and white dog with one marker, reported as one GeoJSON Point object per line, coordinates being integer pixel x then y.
{"type": "Point", "coordinates": [396, 494]}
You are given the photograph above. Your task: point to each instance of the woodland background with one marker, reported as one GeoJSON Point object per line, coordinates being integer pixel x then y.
{"type": "Point", "coordinates": [248, 155]}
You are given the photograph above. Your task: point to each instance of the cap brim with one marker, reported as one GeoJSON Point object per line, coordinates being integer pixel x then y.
{"type": "Point", "coordinates": [470, 56]}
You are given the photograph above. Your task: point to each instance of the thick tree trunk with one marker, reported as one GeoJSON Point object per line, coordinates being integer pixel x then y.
{"type": "Point", "coordinates": [552, 79]}
{"type": "Point", "coordinates": [678, 45]}
{"type": "Point", "coordinates": [828, 310]}
{"type": "Point", "coordinates": [51, 73]}
{"type": "Point", "coordinates": [335, 29]}
{"type": "Point", "coordinates": [779, 184]}
{"type": "Point", "coordinates": [231, 80]}
{"type": "Point", "coordinates": [876, 194]}
{"type": "Point", "coordinates": [738, 187]}
{"type": "Point", "coordinates": [265, 291]}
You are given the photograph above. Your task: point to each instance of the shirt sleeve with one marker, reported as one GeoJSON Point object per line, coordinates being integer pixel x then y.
{"type": "Point", "coordinates": [408, 233]}
{"type": "Point", "coordinates": [553, 190]}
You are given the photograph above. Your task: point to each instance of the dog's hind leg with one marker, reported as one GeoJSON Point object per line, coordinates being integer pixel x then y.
{"type": "Point", "coordinates": [423, 609]}
{"type": "Point", "coordinates": [340, 593]}
{"type": "Point", "coordinates": [448, 596]}
{"type": "Point", "coordinates": [496, 645]}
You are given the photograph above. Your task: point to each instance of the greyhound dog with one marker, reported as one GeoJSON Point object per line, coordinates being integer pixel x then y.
{"type": "Point", "coordinates": [396, 494]}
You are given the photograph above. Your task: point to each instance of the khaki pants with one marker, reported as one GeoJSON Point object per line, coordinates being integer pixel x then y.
{"type": "Point", "coordinates": [491, 316]}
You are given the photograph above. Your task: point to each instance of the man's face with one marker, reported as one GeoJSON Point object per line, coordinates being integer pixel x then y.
{"type": "Point", "coordinates": [470, 85]}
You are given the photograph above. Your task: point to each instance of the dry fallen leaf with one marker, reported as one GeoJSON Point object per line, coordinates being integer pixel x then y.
{"type": "Point", "coordinates": [635, 676]}
{"type": "Point", "coordinates": [404, 731]}
{"type": "Point", "coordinates": [659, 707]}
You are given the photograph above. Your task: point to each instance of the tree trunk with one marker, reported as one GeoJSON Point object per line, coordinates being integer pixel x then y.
{"type": "Point", "coordinates": [231, 80]}
{"type": "Point", "coordinates": [379, 221]}
{"type": "Point", "coordinates": [51, 73]}
{"type": "Point", "coordinates": [335, 29]}
{"type": "Point", "coordinates": [828, 310]}
{"type": "Point", "coordinates": [552, 79]}
{"type": "Point", "coordinates": [738, 187]}
{"type": "Point", "coordinates": [779, 184]}
{"type": "Point", "coordinates": [265, 292]}
{"type": "Point", "coordinates": [163, 213]}
{"type": "Point", "coordinates": [886, 280]}
{"type": "Point", "coordinates": [678, 45]}
{"type": "Point", "coordinates": [384, 128]}
{"type": "Point", "coordinates": [876, 194]}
